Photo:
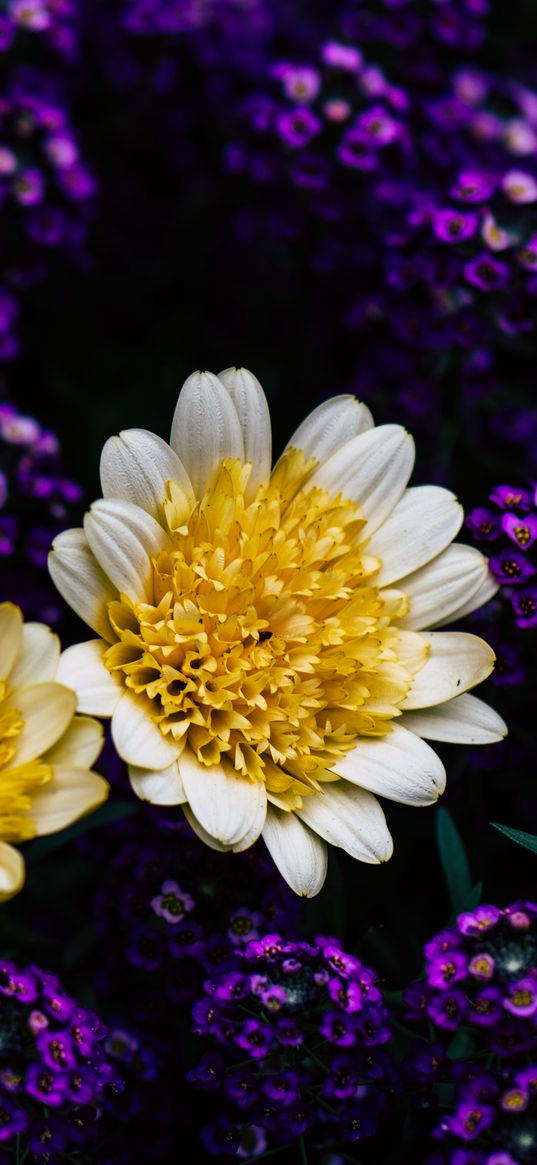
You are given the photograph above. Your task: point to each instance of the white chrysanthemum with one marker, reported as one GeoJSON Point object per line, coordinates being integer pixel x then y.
{"type": "Point", "coordinates": [265, 647]}
{"type": "Point", "coordinates": [46, 751]}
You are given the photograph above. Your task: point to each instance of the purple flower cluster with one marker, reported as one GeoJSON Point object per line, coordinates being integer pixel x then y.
{"type": "Point", "coordinates": [412, 186]}
{"type": "Point", "coordinates": [46, 191]}
{"type": "Point", "coordinates": [55, 1073]}
{"type": "Point", "coordinates": [298, 1035]}
{"type": "Point", "coordinates": [404, 24]}
{"type": "Point", "coordinates": [507, 527]}
{"type": "Point", "coordinates": [172, 912]}
{"type": "Point", "coordinates": [54, 22]}
{"type": "Point", "coordinates": [481, 974]}
{"type": "Point", "coordinates": [170, 17]}
{"type": "Point", "coordinates": [36, 502]}
{"type": "Point", "coordinates": [494, 1118]}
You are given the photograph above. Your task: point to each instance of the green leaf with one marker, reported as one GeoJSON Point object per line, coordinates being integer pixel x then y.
{"type": "Point", "coordinates": [527, 840]}
{"type": "Point", "coordinates": [454, 860]}
{"type": "Point", "coordinates": [35, 851]}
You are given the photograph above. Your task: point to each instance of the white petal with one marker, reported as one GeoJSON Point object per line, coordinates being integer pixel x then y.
{"type": "Point", "coordinates": [46, 709]}
{"type": "Point", "coordinates": [71, 794]}
{"type": "Point", "coordinates": [227, 806]}
{"type": "Point", "coordinates": [136, 466]}
{"type": "Point", "coordinates": [372, 470]}
{"type": "Point", "coordinates": [38, 656]}
{"type": "Point", "coordinates": [205, 428]}
{"type": "Point", "coordinates": [398, 766]}
{"type": "Point", "coordinates": [464, 720]}
{"type": "Point", "coordinates": [124, 539]}
{"type": "Point", "coordinates": [254, 419]}
{"type": "Point", "coordinates": [331, 425]}
{"type": "Point", "coordinates": [10, 637]}
{"type": "Point", "coordinates": [457, 661]}
{"type": "Point", "coordinates": [81, 667]}
{"type": "Point", "coordinates": [79, 746]}
{"type": "Point", "coordinates": [438, 589]}
{"type": "Point", "coordinates": [350, 818]}
{"type": "Point", "coordinates": [300, 855]}
{"type": "Point", "coordinates": [78, 577]}
{"type": "Point", "coordinates": [160, 788]}
{"type": "Point", "coordinates": [422, 524]}
{"type": "Point", "coordinates": [482, 595]}
{"type": "Point", "coordinates": [138, 739]}
{"type": "Point", "coordinates": [200, 832]}
{"type": "Point", "coordinates": [12, 871]}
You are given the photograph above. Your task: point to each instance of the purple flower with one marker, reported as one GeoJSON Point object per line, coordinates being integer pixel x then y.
{"type": "Point", "coordinates": [453, 226]}
{"type": "Point", "coordinates": [470, 1120]}
{"type": "Point", "coordinates": [519, 186]}
{"type": "Point", "coordinates": [510, 568]}
{"type": "Point", "coordinates": [473, 186]}
{"type": "Point", "coordinates": [354, 151]}
{"type": "Point", "coordinates": [448, 1010]}
{"type": "Point", "coordinates": [13, 1119]}
{"type": "Point", "coordinates": [255, 1038]}
{"type": "Point", "coordinates": [46, 1085]}
{"type": "Point", "coordinates": [221, 1137]}
{"type": "Point", "coordinates": [447, 968]}
{"type": "Point", "coordinates": [487, 273]}
{"type": "Point", "coordinates": [523, 531]}
{"type": "Point", "coordinates": [522, 998]}
{"type": "Point", "coordinates": [507, 497]}
{"type": "Point", "coordinates": [340, 56]}
{"type": "Point", "coordinates": [172, 903]}
{"type": "Point", "coordinates": [487, 1007]}
{"type": "Point", "coordinates": [484, 524]}
{"type": "Point", "coordinates": [481, 920]}
{"type": "Point", "coordinates": [57, 1050]}
{"type": "Point", "coordinates": [525, 606]}
{"type": "Point", "coordinates": [376, 127]}
{"type": "Point", "coordinates": [300, 83]}
{"type": "Point", "coordinates": [297, 127]}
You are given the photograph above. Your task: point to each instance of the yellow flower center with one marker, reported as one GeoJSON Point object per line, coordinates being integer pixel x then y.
{"type": "Point", "coordinates": [16, 784]}
{"type": "Point", "coordinates": [264, 638]}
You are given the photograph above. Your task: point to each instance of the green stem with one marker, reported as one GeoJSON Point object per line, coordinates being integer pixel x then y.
{"type": "Point", "coordinates": [303, 1154]}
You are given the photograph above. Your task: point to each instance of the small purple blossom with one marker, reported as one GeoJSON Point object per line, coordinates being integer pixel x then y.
{"type": "Point", "coordinates": [453, 226]}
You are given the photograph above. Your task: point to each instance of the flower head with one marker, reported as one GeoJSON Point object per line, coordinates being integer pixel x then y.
{"type": "Point", "coordinates": [317, 1061]}
{"type": "Point", "coordinates": [46, 752]}
{"type": "Point", "coordinates": [263, 649]}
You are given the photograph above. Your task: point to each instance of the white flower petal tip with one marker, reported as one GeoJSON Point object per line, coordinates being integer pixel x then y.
{"type": "Point", "coordinates": [463, 720]}
{"type": "Point", "coordinates": [124, 538]}
{"type": "Point", "coordinates": [12, 871]}
{"type": "Point", "coordinates": [138, 739]}
{"type": "Point", "coordinates": [254, 418]}
{"type": "Point", "coordinates": [350, 818]}
{"type": "Point", "coordinates": [10, 637]}
{"type": "Point", "coordinates": [159, 788]}
{"type": "Point", "coordinates": [38, 656]}
{"type": "Point", "coordinates": [79, 746]}
{"type": "Point", "coordinates": [81, 668]}
{"type": "Point", "coordinates": [135, 467]}
{"type": "Point", "coordinates": [200, 832]}
{"type": "Point", "coordinates": [423, 523]}
{"type": "Point", "coordinates": [399, 766]}
{"type": "Point", "coordinates": [300, 855]}
{"type": "Point", "coordinates": [71, 794]}
{"type": "Point", "coordinates": [78, 577]}
{"type": "Point", "coordinates": [205, 428]}
{"type": "Point", "coordinates": [46, 710]}
{"type": "Point", "coordinates": [452, 583]}
{"type": "Point", "coordinates": [230, 808]}
{"type": "Point", "coordinates": [331, 425]}
{"type": "Point", "coordinates": [457, 661]}
{"type": "Point", "coordinates": [372, 470]}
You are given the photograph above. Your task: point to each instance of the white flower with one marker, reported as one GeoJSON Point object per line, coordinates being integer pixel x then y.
{"type": "Point", "coordinates": [46, 751]}
{"type": "Point", "coordinates": [267, 642]}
